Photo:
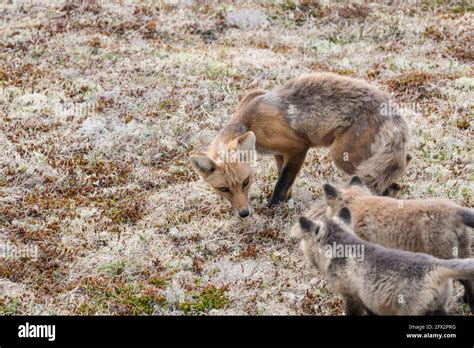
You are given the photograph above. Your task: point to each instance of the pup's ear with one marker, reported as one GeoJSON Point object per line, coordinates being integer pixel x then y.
{"type": "Point", "coordinates": [345, 215]}
{"type": "Point", "coordinates": [356, 181]}
{"type": "Point", "coordinates": [305, 223]}
{"type": "Point", "coordinates": [308, 227]}
{"type": "Point", "coordinates": [330, 192]}
{"type": "Point", "coordinates": [203, 164]}
{"type": "Point", "coordinates": [246, 141]}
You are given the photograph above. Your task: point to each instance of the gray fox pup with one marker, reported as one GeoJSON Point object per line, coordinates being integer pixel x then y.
{"type": "Point", "coordinates": [378, 280]}
{"type": "Point", "coordinates": [433, 226]}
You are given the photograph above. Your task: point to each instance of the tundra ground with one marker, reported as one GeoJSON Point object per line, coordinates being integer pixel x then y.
{"type": "Point", "coordinates": [102, 101]}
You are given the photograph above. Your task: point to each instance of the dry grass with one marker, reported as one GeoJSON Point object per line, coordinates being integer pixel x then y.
{"type": "Point", "coordinates": [101, 102]}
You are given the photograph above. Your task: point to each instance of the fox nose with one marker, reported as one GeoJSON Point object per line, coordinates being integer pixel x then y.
{"type": "Point", "coordinates": [244, 213]}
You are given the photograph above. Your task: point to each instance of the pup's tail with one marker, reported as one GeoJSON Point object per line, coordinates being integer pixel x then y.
{"type": "Point", "coordinates": [459, 269]}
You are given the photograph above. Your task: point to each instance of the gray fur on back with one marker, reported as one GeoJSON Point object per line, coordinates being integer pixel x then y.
{"type": "Point", "coordinates": [318, 103]}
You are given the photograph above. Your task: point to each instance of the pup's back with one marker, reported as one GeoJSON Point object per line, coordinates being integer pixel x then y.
{"type": "Point", "coordinates": [433, 226]}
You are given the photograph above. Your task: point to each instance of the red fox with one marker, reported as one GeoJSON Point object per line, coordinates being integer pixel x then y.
{"type": "Point", "coordinates": [354, 119]}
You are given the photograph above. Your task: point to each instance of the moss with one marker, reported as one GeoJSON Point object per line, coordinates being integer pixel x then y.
{"type": "Point", "coordinates": [142, 304]}
{"type": "Point", "coordinates": [205, 300]}
{"type": "Point", "coordinates": [158, 282]}
{"type": "Point", "coordinates": [462, 309]}
{"type": "Point", "coordinates": [344, 71]}
{"type": "Point", "coordinates": [125, 209]}
{"type": "Point", "coordinates": [462, 7]}
{"type": "Point", "coordinates": [9, 306]}
{"type": "Point", "coordinates": [324, 292]}
{"type": "Point", "coordinates": [467, 195]}
{"type": "Point", "coordinates": [463, 123]}
{"type": "Point", "coordinates": [414, 79]}
{"type": "Point", "coordinates": [288, 5]}
{"type": "Point", "coordinates": [115, 268]}
{"type": "Point", "coordinates": [122, 299]}
{"type": "Point", "coordinates": [415, 83]}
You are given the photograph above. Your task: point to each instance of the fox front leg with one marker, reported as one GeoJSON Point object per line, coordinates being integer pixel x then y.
{"type": "Point", "coordinates": [279, 163]}
{"type": "Point", "coordinates": [279, 160]}
{"type": "Point", "coordinates": [290, 169]}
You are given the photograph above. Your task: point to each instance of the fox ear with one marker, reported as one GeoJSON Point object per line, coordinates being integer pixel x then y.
{"type": "Point", "coordinates": [307, 226]}
{"type": "Point", "coordinates": [345, 215]}
{"type": "Point", "coordinates": [330, 192]}
{"type": "Point", "coordinates": [246, 141]}
{"type": "Point", "coordinates": [356, 181]}
{"type": "Point", "coordinates": [203, 164]}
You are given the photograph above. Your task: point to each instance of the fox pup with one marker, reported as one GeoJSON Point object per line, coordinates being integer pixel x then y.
{"type": "Point", "coordinates": [433, 226]}
{"type": "Point", "coordinates": [379, 281]}
{"type": "Point", "coordinates": [354, 119]}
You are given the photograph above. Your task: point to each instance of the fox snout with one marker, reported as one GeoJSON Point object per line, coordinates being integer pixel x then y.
{"type": "Point", "coordinates": [240, 203]}
{"type": "Point", "coordinates": [244, 213]}
{"type": "Point", "coordinates": [244, 210]}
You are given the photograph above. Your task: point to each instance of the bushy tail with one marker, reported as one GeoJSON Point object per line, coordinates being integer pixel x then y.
{"type": "Point", "coordinates": [467, 216]}
{"type": "Point", "coordinates": [459, 269]}
{"type": "Point", "coordinates": [389, 156]}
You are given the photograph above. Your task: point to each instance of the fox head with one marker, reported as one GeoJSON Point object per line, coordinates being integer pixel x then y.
{"type": "Point", "coordinates": [230, 175]}
{"type": "Point", "coordinates": [317, 235]}
{"type": "Point", "coordinates": [336, 199]}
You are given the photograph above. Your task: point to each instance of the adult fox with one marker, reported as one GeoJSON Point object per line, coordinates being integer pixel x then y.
{"type": "Point", "coordinates": [364, 134]}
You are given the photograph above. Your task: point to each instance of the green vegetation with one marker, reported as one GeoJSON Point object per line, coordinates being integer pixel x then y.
{"type": "Point", "coordinates": [204, 300]}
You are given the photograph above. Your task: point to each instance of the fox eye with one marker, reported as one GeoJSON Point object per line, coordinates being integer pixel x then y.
{"type": "Point", "coordinates": [224, 189]}
{"type": "Point", "coordinates": [246, 182]}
